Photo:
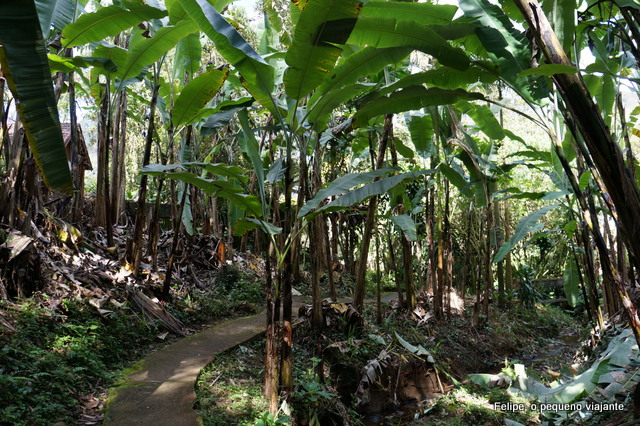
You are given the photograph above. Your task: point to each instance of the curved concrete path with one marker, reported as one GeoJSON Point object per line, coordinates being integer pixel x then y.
{"type": "Point", "coordinates": [160, 389]}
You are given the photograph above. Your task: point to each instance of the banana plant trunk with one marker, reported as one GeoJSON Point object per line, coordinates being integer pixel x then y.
{"type": "Point", "coordinates": [134, 246]}
{"type": "Point", "coordinates": [358, 296]}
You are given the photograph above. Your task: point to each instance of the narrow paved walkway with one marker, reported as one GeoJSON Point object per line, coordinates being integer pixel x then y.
{"type": "Point", "coordinates": [160, 389]}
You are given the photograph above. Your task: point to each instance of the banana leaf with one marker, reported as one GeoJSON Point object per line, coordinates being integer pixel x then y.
{"type": "Point", "coordinates": [60, 13]}
{"type": "Point", "coordinates": [25, 66]}
{"type": "Point", "coordinates": [258, 75]}
{"type": "Point", "coordinates": [357, 196]}
{"type": "Point", "coordinates": [188, 55]}
{"type": "Point", "coordinates": [390, 32]}
{"type": "Point", "coordinates": [506, 46]}
{"type": "Point", "coordinates": [145, 51]}
{"type": "Point", "coordinates": [421, 131]}
{"type": "Point", "coordinates": [340, 186]}
{"type": "Point", "coordinates": [322, 26]}
{"type": "Point", "coordinates": [107, 22]}
{"type": "Point", "coordinates": [527, 224]}
{"type": "Point", "coordinates": [409, 99]}
{"type": "Point", "coordinates": [406, 225]}
{"type": "Point", "coordinates": [195, 96]}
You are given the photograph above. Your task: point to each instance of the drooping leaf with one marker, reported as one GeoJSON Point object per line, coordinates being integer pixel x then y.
{"type": "Point", "coordinates": [219, 188]}
{"type": "Point", "coordinates": [389, 32]}
{"type": "Point", "coordinates": [223, 113]}
{"type": "Point", "coordinates": [196, 95]}
{"type": "Point", "coordinates": [115, 54]}
{"type": "Point", "coordinates": [421, 131]}
{"type": "Point", "coordinates": [367, 61]}
{"type": "Point", "coordinates": [507, 46]}
{"type": "Point", "coordinates": [416, 350]}
{"type": "Point", "coordinates": [407, 225]}
{"type": "Point", "coordinates": [484, 118]}
{"type": "Point", "coordinates": [403, 149]}
{"type": "Point", "coordinates": [56, 12]}
{"type": "Point", "coordinates": [561, 15]}
{"type": "Point", "coordinates": [145, 51]}
{"type": "Point", "coordinates": [188, 55]}
{"type": "Point", "coordinates": [107, 22]}
{"type": "Point", "coordinates": [340, 186]}
{"type": "Point", "coordinates": [247, 224]}
{"type": "Point", "coordinates": [25, 66]}
{"type": "Point", "coordinates": [323, 24]}
{"type": "Point", "coordinates": [524, 226]}
{"type": "Point", "coordinates": [216, 169]}
{"type": "Point", "coordinates": [276, 171]}
{"type": "Point", "coordinates": [442, 77]}
{"type": "Point", "coordinates": [585, 178]}
{"type": "Point", "coordinates": [258, 76]}
{"type": "Point", "coordinates": [571, 283]}
{"type": "Point", "coordinates": [409, 99]}
{"type": "Point", "coordinates": [251, 147]}
{"type": "Point", "coordinates": [381, 186]}
{"type": "Point", "coordinates": [322, 109]}
{"type": "Point", "coordinates": [456, 178]}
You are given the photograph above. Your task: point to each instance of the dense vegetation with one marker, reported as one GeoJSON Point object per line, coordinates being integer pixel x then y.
{"type": "Point", "coordinates": [480, 152]}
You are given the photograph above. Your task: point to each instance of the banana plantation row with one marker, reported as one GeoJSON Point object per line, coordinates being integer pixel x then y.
{"type": "Point", "coordinates": [393, 136]}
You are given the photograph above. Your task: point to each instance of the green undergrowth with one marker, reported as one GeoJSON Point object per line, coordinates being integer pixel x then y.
{"type": "Point", "coordinates": [230, 389]}
{"type": "Point", "coordinates": [233, 294]}
{"type": "Point", "coordinates": [58, 355]}
{"type": "Point", "coordinates": [55, 356]}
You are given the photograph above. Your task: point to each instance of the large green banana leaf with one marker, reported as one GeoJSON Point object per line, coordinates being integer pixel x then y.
{"type": "Point", "coordinates": [338, 86]}
{"type": "Point", "coordinates": [407, 225]}
{"type": "Point", "coordinates": [145, 51]}
{"type": "Point", "coordinates": [392, 32]}
{"type": "Point", "coordinates": [188, 55]}
{"type": "Point", "coordinates": [56, 12]}
{"type": "Point", "coordinates": [484, 118]}
{"type": "Point", "coordinates": [323, 24]}
{"type": "Point", "coordinates": [219, 187]}
{"type": "Point", "coordinates": [527, 224]}
{"type": "Point", "coordinates": [409, 99]}
{"type": "Point", "coordinates": [258, 75]}
{"type": "Point", "coordinates": [320, 112]}
{"type": "Point", "coordinates": [24, 62]}
{"type": "Point", "coordinates": [358, 195]}
{"type": "Point", "coordinates": [421, 131]}
{"type": "Point", "coordinates": [340, 186]}
{"type": "Point", "coordinates": [442, 77]}
{"type": "Point", "coordinates": [506, 45]}
{"type": "Point", "coordinates": [107, 22]}
{"type": "Point", "coordinates": [195, 96]}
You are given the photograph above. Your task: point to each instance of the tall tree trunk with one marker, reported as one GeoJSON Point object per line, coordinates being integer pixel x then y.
{"type": "Point", "coordinates": [467, 256]}
{"type": "Point", "coordinates": [271, 356]}
{"type": "Point", "coordinates": [499, 233]}
{"type": "Point", "coordinates": [488, 273]}
{"type": "Point", "coordinates": [102, 178]}
{"type": "Point", "coordinates": [78, 184]}
{"type": "Point", "coordinates": [358, 296]}
{"type": "Point", "coordinates": [508, 273]}
{"type": "Point", "coordinates": [118, 166]}
{"type": "Point", "coordinates": [407, 255]}
{"type": "Point", "coordinates": [134, 246]}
